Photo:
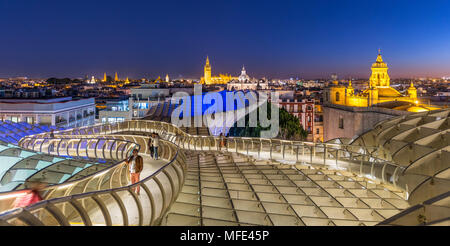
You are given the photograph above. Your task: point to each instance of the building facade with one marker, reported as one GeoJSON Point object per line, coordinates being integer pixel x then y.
{"type": "Point", "coordinates": [379, 90]}
{"type": "Point", "coordinates": [116, 110]}
{"type": "Point", "coordinates": [245, 83]}
{"type": "Point", "coordinates": [348, 114]}
{"type": "Point", "coordinates": [61, 112]}
{"type": "Point", "coordinates": [304, 111]}
{"type": "Point", "coordinates": [208, 79]}
{"type": "Point", "coordinates": [342, 121]}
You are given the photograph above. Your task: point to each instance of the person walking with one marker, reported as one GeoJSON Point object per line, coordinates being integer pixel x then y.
{"type": "Point", "coordinates": [150, 145]}
{"type": "Point", "coordinates": [52, 145]}
{"type": "Point", "coordinates": [155, 145]}
{"type": "Point", "coordinates": [135, 165]}
{"type": "Point", "coordinates": [222, 141]}
{"type": "Point", "coordinates": [31, 195]}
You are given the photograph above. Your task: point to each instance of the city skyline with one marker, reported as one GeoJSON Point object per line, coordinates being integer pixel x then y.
{"type": "Point", "coordinates": [292, 39]}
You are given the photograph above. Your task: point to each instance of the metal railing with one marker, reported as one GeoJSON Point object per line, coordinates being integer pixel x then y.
{"type": "Point", "coordinates": [105, 198]}
{"type": "Point", "coordinates": [95, 148]}
{"type": "Point", "coordinates": [352, 158]}
{"type": "Point", "coordinates": [355, 159]}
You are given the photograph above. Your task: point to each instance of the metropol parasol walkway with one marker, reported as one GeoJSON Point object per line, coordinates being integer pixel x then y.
{"type": "Point", "coordinates": [396, 174]}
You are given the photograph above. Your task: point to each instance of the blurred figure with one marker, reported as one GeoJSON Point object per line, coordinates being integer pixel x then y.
{"type": "Point", "coordinates": [135, 165]}
{"type": "Point", "coordinates": [222, 141]}
{"type": "Point", "coordinates": [155, 145]}
{"type": "Point", "coordinates": [150, 145]}
{"type": "Point", "coordinates": [51, 146]}
{"type": "Point", "coordinates": [32, 194]}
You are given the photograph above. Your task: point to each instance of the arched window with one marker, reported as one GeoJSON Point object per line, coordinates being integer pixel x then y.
{"type": "Point", "coordinates": [337, 96]}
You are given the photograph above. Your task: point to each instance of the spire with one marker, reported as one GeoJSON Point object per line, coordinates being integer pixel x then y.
{"type": "Point", "coordinates": [412, 85]}
{"type": "Point", "coordinates": [207, 60]}
{"type": "Point", "coordinates": [379, 58]}
{"type": "Point", "coordinates": [104, 77]}
{"type": "Point", "coordinates": [350, 83]}
{"type": "Point", "coordinates": [116, 78]}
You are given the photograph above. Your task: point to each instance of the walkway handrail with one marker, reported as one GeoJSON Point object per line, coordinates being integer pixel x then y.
{"type": "Point", "coordinates": [77, 208]}
{"type": "Point", "coordinates": [356, 159]}
{"type": "Point", "coordinates": [339, 156]}
{"type": "Point", "coordinates": [71, 147]}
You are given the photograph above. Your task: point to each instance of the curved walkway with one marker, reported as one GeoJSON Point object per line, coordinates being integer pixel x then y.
{"type": "Point", "coordinates": [249, 182]}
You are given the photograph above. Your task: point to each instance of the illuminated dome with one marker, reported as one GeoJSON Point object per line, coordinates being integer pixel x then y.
{"type": "Point", "coordinates": [243, 77]}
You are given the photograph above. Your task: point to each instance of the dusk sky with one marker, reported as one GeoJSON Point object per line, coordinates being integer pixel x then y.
{"type": "Point", "coordinates": [274, 39]}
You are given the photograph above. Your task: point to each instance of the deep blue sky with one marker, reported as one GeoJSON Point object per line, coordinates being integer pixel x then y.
{"type": "Point", "coordinates": [281, 39]}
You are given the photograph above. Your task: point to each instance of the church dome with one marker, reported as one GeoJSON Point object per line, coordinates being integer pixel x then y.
{"type": "Point", "coordinates": [243, 77]}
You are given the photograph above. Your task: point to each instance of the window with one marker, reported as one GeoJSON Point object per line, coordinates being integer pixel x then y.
{"type": "Point", "coordinates": [317, 131]}
{"type": "Point", "coordinates": [30, 120]}
{"type": "Point", "coordinates": [337, 96]}
{"type": "Point", "coordinates": [115, 119]}
{"type": "Point", "coordinates": [341, 122]}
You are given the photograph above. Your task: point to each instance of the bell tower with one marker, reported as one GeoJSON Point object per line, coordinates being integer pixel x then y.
{"type": "Point", "coordinates": [379, 77]}
{"type": "Point", "coordinates": [207, 75]}
{"type": "Point", "coordinates": [412, 92]}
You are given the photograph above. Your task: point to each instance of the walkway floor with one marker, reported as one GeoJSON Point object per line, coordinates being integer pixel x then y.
{"type": "Point", "coordinates": [150, 166]}
{"type": "Point", "coordinates": [231, 189]}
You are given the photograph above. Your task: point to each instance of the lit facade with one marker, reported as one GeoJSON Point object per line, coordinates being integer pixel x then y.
{"type": "Point", "coordinates": [379, 90]}
{"type": "Point", "coordinates": [207, 78]}
{"type": "Point", "coordinates": [304, 111]}
{"type": "Point", "coordinates": [245, 83]}
{"type": "Point", "coordinates": [61, 112]}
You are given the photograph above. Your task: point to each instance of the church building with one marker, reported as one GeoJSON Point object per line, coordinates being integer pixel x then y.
{"type": "Point", "coordinates": [378, 91]}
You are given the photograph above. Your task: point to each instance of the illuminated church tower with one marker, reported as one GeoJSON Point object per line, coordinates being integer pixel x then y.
{"type": "Point", "coordinates": [207, 77]}
{"type": "Point", "coordinates": [379, 77]}
{"type": "Point", "coordinates": [104, 77]}
{"type": "Point", "coordinates": [412, 92]}
{"type": "Point", "coordinates": [379, 90]}
{"type": "Point", "coordinates": [116, 78]}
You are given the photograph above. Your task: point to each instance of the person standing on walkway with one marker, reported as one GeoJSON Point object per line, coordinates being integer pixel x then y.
{"type": "Point", "coordinates": [150, 145]}
{"type": "Point", "coordinates": [51, 146]}
{"type": "Point", "coordinates": [155, 145]}
{"type": "Point", "coordinates": [222, 141]}
{"type": "Point", "coordinates": [135, 165]}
